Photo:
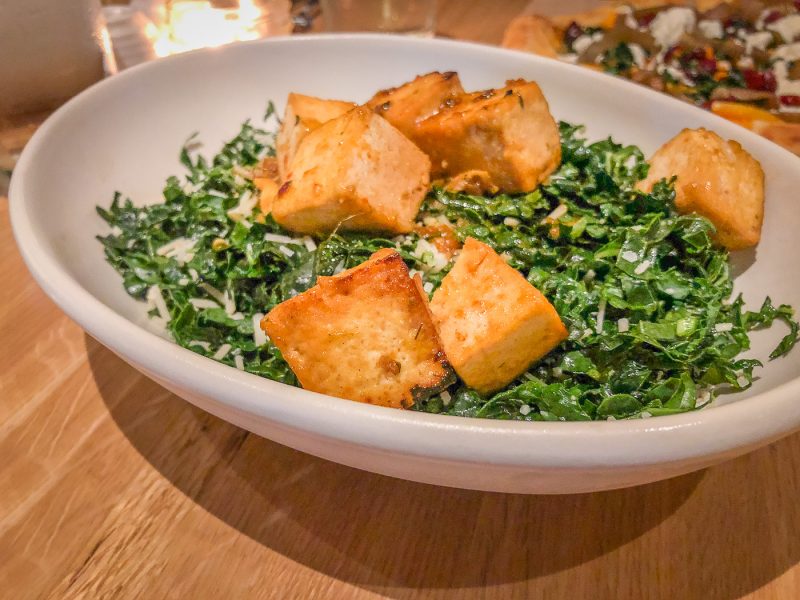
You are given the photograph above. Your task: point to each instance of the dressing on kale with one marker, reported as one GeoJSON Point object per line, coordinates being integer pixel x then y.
{"type": "Point", "coordinates": [644, 291]}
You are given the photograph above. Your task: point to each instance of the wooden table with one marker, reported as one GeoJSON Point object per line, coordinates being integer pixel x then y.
{"type": "Point", "coordinates": [112, 487]}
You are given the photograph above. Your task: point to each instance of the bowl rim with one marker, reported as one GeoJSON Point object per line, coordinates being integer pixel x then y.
{"type": "Point", "coordinates": [576, 445]}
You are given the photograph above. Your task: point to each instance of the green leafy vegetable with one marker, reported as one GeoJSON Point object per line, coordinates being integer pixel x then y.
{"type": "Point", "coordinates": [643, 290]}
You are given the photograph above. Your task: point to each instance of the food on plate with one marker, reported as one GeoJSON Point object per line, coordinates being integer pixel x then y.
{"type": "Point", "coordinates": [365, 334]}
{"type": "Point", "coordinates": [404, 106]}
{"type": "Point", "coordinates": [594, 290]}
{"type": "Point", "coordinates": [744, 52]}
{"type": "Point", "coordinates": [715, 178]}
{"type": "Point", "coordinates": [303, 115]}
{"type": "Point", "coordinates": [508, 133]}
{"type": "Point", "coordinates": [493, 323]}
{"type": "Point", "coordinates": [355, 172]}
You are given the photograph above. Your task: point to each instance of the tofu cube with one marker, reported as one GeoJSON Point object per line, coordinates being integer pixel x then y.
{"type": "Point", "coordinates": [507, 132]}
{"type": "Point", "coordinates": [409, 103]}
{"type": "Point", "coordinates": [492, 322]}
{"type": "Point", "coordinates": [303, 115]}
{"type": "Point", "coordinates": [356, 172]}
{"type": "Point", "coordinates": [365, 334]}
{"type": "Point", "coordinates": [717, 179]}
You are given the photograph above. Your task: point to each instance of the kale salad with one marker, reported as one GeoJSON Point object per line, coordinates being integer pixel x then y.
{"type": "Point", "coordinates": [644, 292]}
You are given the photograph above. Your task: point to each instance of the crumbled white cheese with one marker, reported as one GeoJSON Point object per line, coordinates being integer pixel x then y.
{"type": "Point", "coordinates": [676, 74]}
{"type": "Point", "coordinates": [204, 345]}
{"type": "Point", "coordinates": [787, 52]}
{"type": "Point", "coordinates": [623, 325]}
{"type": "Point", "coordinates": [194, 275]}
{"type": "Point", "coordinates": [669, 25]}
{"type": "Point", "coordinates": [756, 41]}
{"type": "Point", "coordinates": [785, 86]}
{"type": "Point", "coordinates": [259, 337]}
{"type": "Point", "coordinates": [181, 249]}
{"type": "Point", "coordinates": [201, 303]}
{"type": "Point", "coordinates": [629, 256]}
{"type": "Point", "coordinates": [247, 202]}
{"type": "Point", "coordinates": [711, 28]}
{"type": "Point", "coordinates": [745, 62]}
{"type": "Point", "coordinates": [237, 316]}
{"type": "Point", "coordinates": [524, 410]}
{"type": "Point", "coordinates": [639, 55]}
{"type": "Point", "coordinates": [723, 327]}
{"type": "Point", "coordinates": [557, 371]}
{"type": "Point", "coordinates": [156, 300]}
{"type": "Point", "coordinates": [642, 267]}
{"type": "Point", "coordinates": [788, 27]}
{"type": "Point", "coordinates": [570, 58]}
{"type": "Point", "coordinates": [183, 281]}
{"type": "Point", "coordinates": [630, 21]}
{"type": "Point", "coordinates": [428, 287]}
{"type": "Point", "coordinates": [742, 381]}
{"type": "Point", "coordinates": [583, 42]}
{"type": "Point", "coordinates": [222, 352]}
{"type": "Point", "coordinates": [216, 194]}
{"type": "Point", "coordinates": [511, 221]}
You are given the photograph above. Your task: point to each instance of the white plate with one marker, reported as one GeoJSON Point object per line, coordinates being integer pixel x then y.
{"type": "Point", "coordinates": [125, 134]}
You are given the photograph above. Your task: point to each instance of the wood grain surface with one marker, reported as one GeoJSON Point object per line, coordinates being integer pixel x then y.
{"type": "Point", "coordinates": [111, 487]}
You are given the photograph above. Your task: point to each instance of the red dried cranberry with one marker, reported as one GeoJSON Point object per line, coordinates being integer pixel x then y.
{"type": "Point", "coordinates": [790, 100]}
{"type": "Point", "coordinates": [573, 32]}
{"type": "Point", "coordinates": [759, 80]}
{"type": "Point", "coordinates": [645, 19]}
{"type": "Point", "coordinates": [773, 16]}
{"type": "Point", "coordinates": [707, 66]}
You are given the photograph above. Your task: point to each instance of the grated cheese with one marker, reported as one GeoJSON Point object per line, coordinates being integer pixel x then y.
{"type": "Point", "coordinates": [204, 345]}
{"type": "Point", "coordinates": [259, 337]}
{"type": "Point", "coordinates": [156, 300]}
{"type": "Point", "coordinates": [623, 325]}
{"type": "Point", "coordinates": [181, 249]}
{"type": "Point", "coordinates": [285, 251]}
{"type": "Point", "coordinates": [642, 267]}
{"type": "Point", "coordinates": [247, 202]}
{"type": "Point", "coordinates": [222, 352]}
{"type": "Point", "coordinates": [629, 256]}
{"type": "Point", "coordinates": [558, 212]}
{"type": "Point", "coordinates": [309, 243]}
{"type": "Point", "coordinates": [601, 315]}
{"type": "Point", "coordinates": [201, 303]}
{"type": "Point", "coordinates": [723, 327]}
{"type": "Point", "coordinates": [511, 221]}
{"type": "Point", "coordinates": [525, 410]}
{"type": "Point", "coordinates": [446, 398]}
{"type": "Point", "coordinates": [284, 239]}
{"type": "Point", "coordinates": [239, 362]}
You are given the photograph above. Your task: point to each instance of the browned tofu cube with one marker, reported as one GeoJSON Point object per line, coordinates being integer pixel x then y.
{"type": "Point", "coordinates": [492, 322]}
{"type": "Point", "coordinates": [507, 132]}
{"type": "Point", "coordinates": [409, 103]}
{"type": "Point", "coordinates": [303, 115]}
{"type": "Point", "coordinates": [356, 172]}
{"type": "Point", "coordinates": [716, 179]}
{"type": "Point", "coordinates": [365, 335]}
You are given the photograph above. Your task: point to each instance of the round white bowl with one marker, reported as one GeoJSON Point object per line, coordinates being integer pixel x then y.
{"type": "Point", "coordinates": [125, 133]}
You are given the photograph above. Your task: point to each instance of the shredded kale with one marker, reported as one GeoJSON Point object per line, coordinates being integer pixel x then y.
{"type": "Point", "coordinates": [644, 292]}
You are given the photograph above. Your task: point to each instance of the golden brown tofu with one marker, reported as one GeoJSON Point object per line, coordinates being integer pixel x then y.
{"type": "Point", "coordinates": [302, 116]}
{"type": "Point", "coordinates": [356, 172]}
{"type": "Point", "coordinates": [716, 179]}
{"type": "Point", "coordinates": [492, 322]}
{"type": "Point", "coordinates": [507, 132]}
{"type": "Point", "coordinates": [408, 104]}
{"type": "Point", "coordinates": [365, 335]}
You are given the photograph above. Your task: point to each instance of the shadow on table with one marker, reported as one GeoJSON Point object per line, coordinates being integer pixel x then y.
{"type": "Point", "coordinates": [397, 538]}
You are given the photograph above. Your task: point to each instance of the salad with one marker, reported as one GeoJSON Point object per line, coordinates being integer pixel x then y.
{"type": "Point", "coordinates": [641, 285]}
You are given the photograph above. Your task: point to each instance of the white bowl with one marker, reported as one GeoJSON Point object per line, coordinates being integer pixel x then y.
{"type": "Point", "coordinates": [125, 134]}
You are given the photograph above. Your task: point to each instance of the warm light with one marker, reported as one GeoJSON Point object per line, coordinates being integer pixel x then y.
{"type": "Point", "coordinates": [192, 24]}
